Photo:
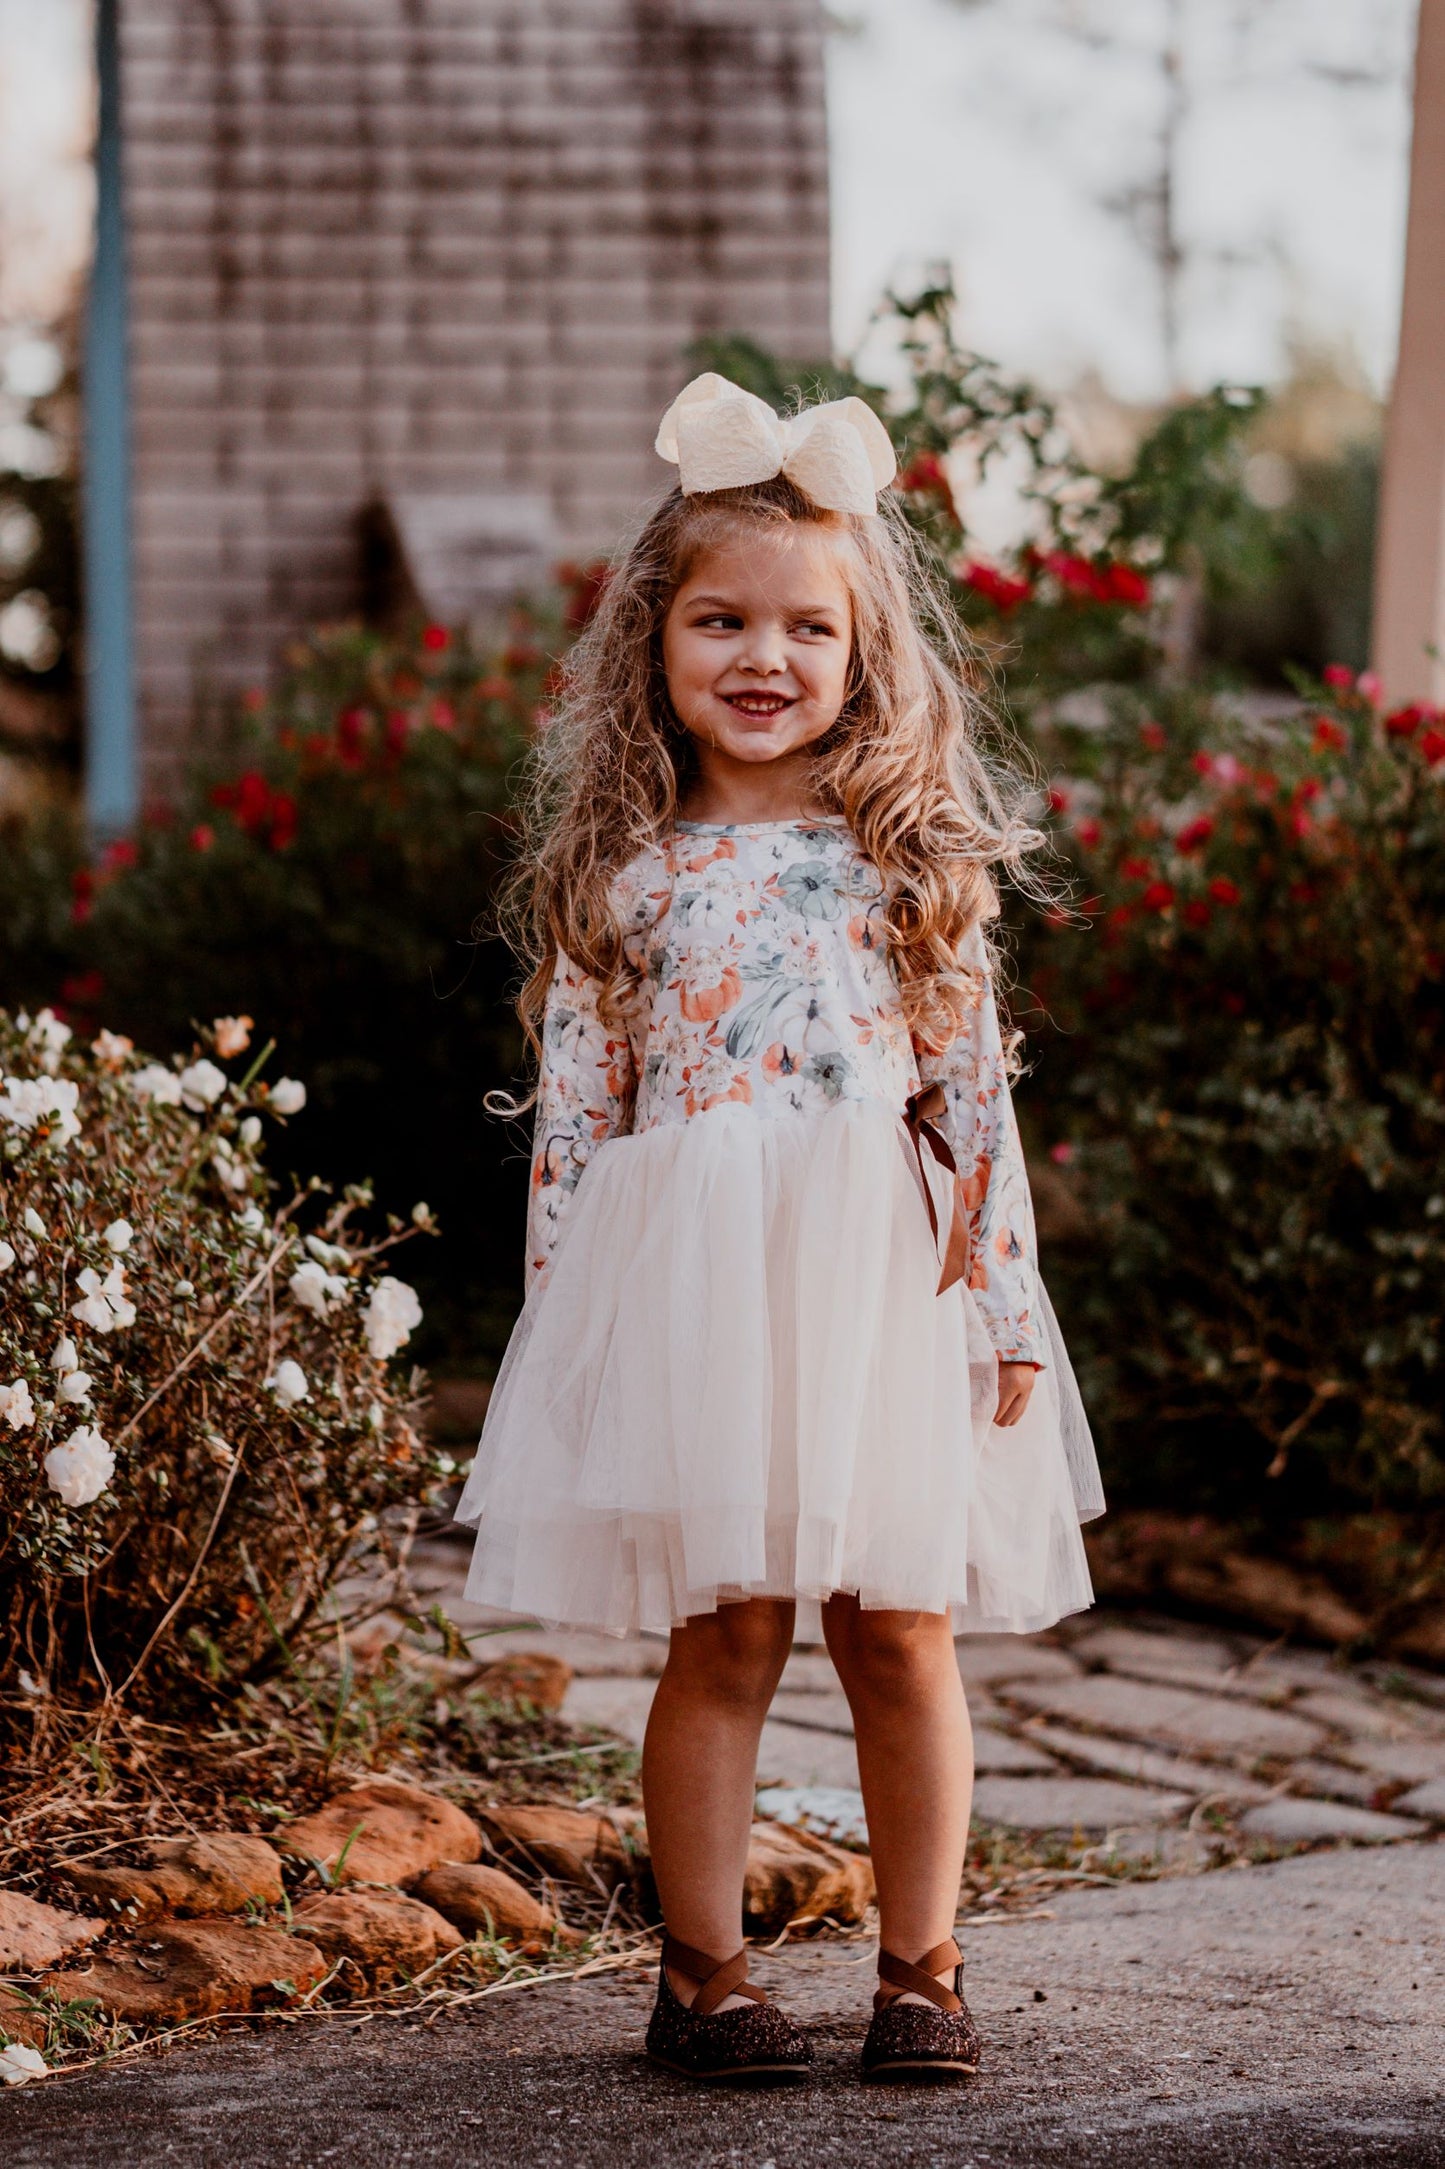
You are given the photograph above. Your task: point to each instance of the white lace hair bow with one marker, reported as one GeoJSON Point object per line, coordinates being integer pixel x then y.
{"type": "Point", "coordinates": [721, 437]}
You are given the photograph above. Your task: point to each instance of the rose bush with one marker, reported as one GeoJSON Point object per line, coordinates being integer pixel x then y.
{"type": "Point", "coordinates": [201, 1415]}
{"type": "Point", "coordinates": [1238, 1044]}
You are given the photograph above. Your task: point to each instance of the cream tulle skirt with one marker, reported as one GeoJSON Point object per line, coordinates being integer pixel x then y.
{"type": "Point", "coordinates": [739, 1381]}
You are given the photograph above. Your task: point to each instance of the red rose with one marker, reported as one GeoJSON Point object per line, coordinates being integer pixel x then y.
{"type": "Point", "coordinates": [1432, 745]}
{"type": "Point", "coordinates": [1194, 833]}
{"type": "Point", "coordinates": [253, 801]}
{"type": "Point", "coordinates": [1404, 722]}
{"type": "Point", "coordinates": [202, 836]}
{"type": "Point", "coordinates": [1088, 833]}
{"type": "Point", "coordinates": [1001, 589]}
{"type": "Point", "coordinates": [1058, 800]}
{"type": "Point", "coordinates": [1197, 912]}
{"type": "Point", "coordinates": [436, 639]}
{"type": "Point", "coordinates": [1154, 734]}
{"type": "Point", "coordinates": [283, 821]}
{"type": "Point", "coordinates": [1223, 890]}
{"type": "Point", "coordinates": [1158, 896]}
{"type": "Point", "coordinates": [1122, 584]}
{"type": "Point", "coordinates": [1329, 735]}
{"type": "Point", "coordinates": [1339, 677]}
{"type": "Point", "coordinates": [1136, 869]}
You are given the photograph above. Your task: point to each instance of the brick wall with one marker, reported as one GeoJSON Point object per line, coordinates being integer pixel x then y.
{"type": "Point", "coordinates": [432, 245]}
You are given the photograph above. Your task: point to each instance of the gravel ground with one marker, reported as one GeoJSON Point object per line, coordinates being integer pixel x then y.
{"type": "Point", "coordinates": [1289, 2014]}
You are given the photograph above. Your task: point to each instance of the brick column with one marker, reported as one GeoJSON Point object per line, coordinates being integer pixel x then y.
{"type": "Point", "coordinates": [1410, 558]}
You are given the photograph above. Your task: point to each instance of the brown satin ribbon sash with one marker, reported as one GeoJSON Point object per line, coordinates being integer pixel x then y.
{"type": "Point", "coordinates": [921, 1118]}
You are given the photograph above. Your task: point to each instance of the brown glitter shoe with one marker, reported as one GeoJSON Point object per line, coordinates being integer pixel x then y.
{"type": "Point", "coordinates": [933, 2041]}
{"type": "Point", "coordinates": [757, 2044]}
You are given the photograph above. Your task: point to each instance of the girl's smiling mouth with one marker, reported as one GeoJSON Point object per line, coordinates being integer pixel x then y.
{"type": "Point", "coordinates": [761, 705]}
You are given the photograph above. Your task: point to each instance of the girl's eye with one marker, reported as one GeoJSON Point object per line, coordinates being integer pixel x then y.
{"type": "Point", "coordinates": [816, 627]}
{"type": "Point", "coordinates": [720, 621]}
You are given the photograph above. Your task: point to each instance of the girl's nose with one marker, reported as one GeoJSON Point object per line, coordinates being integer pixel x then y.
{"type": "Point", "coordinates": [764, 653]}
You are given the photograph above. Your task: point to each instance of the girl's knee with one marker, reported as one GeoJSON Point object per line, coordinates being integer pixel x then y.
{"type": "Point", "coordinates": [736, 1652]}
{"type": "Point", "coordinates": [887, 1652]}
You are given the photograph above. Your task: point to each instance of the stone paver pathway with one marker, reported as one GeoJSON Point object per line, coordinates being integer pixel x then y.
{"type": "Point", "coordinates": [1149, 1737]}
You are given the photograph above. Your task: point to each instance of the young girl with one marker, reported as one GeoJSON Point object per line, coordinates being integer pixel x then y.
{"type": "Point", "coordinates": [774, 1350]}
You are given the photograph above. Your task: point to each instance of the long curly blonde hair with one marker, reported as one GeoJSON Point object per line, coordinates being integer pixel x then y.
{"type": "Point", "coordinates": [907, 764]}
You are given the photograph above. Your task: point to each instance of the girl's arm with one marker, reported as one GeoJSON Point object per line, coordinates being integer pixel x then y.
{"type": "Point", "coordinates": [983, 1132]}
{"type": "Point", "coordinates": [584, 1095]}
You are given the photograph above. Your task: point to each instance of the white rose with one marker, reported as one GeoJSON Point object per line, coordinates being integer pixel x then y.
{"type": "Point", "coordinates": [105, 1304]}
{"type": "Point", "coordinates": [184, 1288]}
{"type": "Point", "coordinates": [251, 1221]}
{"type": "Point", "coordinates": [421, 1215]}
{"type": "Point", "coordinates": [7, 1257]}
{"type": "Point", "coordinates": [231, 1173]}
{"type": "Point", "coordinates": [315, 1289]}
{"type": "Point", "coordinates": [75, 1386]}
{"type": "Point", "coordinates": [331, 1255]}
{"type": "Point", "coordinates": [16, 1406]}
{"type": "Point", "coordinates": [19, 2063]}
{"type": "Point", "coordinates": [34, 1223]}
{"type": "Point", "coordinates": [53, 1037]}
{"type": "Point", "coordinates": [233, 1035]}
{"type": "Point", "coordinates": [288, 1096]}
{"type": "Point", "coordinates": [288, 1383]}
{"type": "Point", "coordinates": [157, 1083]}
{"type": "Point", "coordinates": [66, 1356]}
{"type": "Point", "coordinates": [118, 1235]}
{"type": "Point", "coordinates": [111, 1047]}
{"type": "Point", "coordinates": [27, 1101]}
{"type": "Point", "coordinates": [81, 1468]}
{"type": "Point", "coordinates": [202, 1085]}
{"type": "Point", "coordinates": [390, 1314]}
{"type": "Point", "coordinates": [251, 1131]}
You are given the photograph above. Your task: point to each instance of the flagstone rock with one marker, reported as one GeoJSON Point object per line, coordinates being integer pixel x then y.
{"type": "Point", "coordinates": [34, 1935]}
{"type": "Point", "coordinates": [618, 1706]}
{"type": "Point", "coordinates": [19, 2021]}
{"type": "Point", "coordinates": [597, 1852]}
{"type": "Point", "coordinates": [1175, 1716]}
{"type": "Point", "coordinates": [1000, 1754]}
{"type": "Point", "coordinates": [1147, 1765]}
{"type": "Point", "coordinates": [531, 1676]}
{"type": "Point", "coordinates": [217, 1872]}
{"type": "Point", "coordinates": [793, 1876]}
{"type": "Point", "coordinates": [181, 1970]}
{"type": "Point", "coordinates": [1072, 1803]}
{"type": "Point", "coordinates": [386, 1936]}
{"type": "Point", "coordinates": [483, 1901]}
{"type": "Point", "coordinates": [813, 1712]}
{"type": "Point", "coordinates": [1427, 1799]}
{"type": "Point", "coordinates": [1153, 1655]}
{"type": "Point", "coordinates": [829, 1811]}
{"type": "Point", "coordinates": [1291, 1821]}
{"type": "Point", "coordinates": [1364, 1716]}
{"type": "Point", "coordinates": [990, 1658]}
{"type": "Point", "coordinates": [801, 1755]}
{"type": "Point", "coordinates": [1417, 1761]}
{"type": "Point", "coordinates": [382, 1831]}
{"type": "Point", "coordinates": [1337, 1782]}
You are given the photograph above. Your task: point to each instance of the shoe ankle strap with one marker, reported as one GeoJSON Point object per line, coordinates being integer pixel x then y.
{"type": "Point", "coordinates": [902, 1978]}
{"type": "Point", "coordinates": [717, 1978]}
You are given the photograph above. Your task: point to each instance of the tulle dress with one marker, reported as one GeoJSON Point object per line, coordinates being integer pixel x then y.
{"type": "Point", "coordinates": [733, 1374]}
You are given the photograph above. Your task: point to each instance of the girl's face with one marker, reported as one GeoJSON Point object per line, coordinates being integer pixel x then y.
{"type": "Point", "coordinates": [756, 644]}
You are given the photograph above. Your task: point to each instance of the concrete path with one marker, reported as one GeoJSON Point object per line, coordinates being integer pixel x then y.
{"type": "Point", "coordinates": [1290, 2016]}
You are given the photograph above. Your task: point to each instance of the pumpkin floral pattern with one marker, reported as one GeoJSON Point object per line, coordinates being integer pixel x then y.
{"type": "Point", "coordinates": [767, 984]}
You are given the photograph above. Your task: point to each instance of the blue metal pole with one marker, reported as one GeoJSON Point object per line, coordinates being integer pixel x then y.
{"type": "Point", "coordinates": [112, 792]}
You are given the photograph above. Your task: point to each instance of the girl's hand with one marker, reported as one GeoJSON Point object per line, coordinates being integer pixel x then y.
{"type": "Point", "coordinates": [1015, 1384]}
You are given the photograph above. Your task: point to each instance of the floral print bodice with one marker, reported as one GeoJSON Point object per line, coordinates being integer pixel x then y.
{"type": "Point", "coordinates": [767, 983]}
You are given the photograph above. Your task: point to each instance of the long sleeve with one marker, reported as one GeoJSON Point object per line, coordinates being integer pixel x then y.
{"type": "Point", "coordinates": [983, 1131]}
{"type": "Point", "coordinates": [584, 1096]}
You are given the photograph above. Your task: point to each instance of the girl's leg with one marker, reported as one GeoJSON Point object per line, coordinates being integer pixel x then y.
{"type": "Point", "coordinates": [915, 1760]}
{"type": "Point", "coordinates": [699, 1761]}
